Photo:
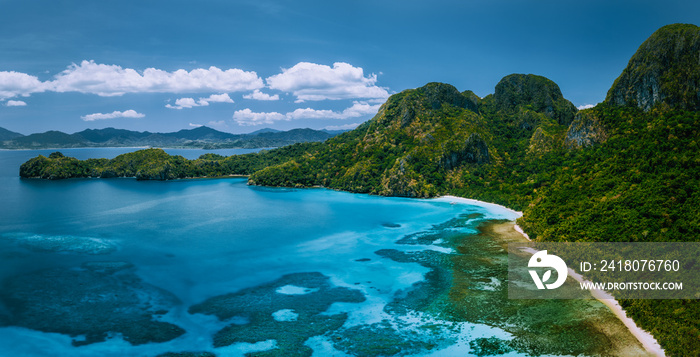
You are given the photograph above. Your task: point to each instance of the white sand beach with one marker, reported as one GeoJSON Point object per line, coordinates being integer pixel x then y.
{"type": "Point", "coordinates": [449, 198]}
{"type": "Point", "coordinates": [644, 337]}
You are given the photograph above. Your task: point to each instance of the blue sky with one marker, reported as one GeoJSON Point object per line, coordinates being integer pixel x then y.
{"type": "Point", "coordinates": [239, 66]}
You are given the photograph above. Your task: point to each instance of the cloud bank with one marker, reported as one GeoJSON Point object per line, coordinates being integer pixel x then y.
{"type": "Point", "coordinates": [585, 106]}
{"type": "Point", "coordinates": [248, 118]}
{"type": "Point", "coordinates": [113, 115]}
{"type": "Point", "coordinates": [305, 81]}
{"type": "Point", "coordinates": [357, 109]}
{"type": "Point", "coordinates": [16, 103]}
{"type": "Point", "coordinates": [258, 95]}
{"type": "Point", "coordinates": [202, 102]}
{"type": "Point", "coordinates": [13, 84]}
{"type": "Point", "coordinates": [113, 80]}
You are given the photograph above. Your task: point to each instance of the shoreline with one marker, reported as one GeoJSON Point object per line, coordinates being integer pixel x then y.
{"type": "Point", "coordinates": [645, 338]}
{"type": "Point", "coordinates": [134, 178]}
{"type": "Point", "coordinates": [477, 202]}
{"type": "Point", "coordinates": [80, 147]}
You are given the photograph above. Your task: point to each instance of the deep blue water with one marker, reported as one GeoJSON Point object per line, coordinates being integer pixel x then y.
{"type": "Point", "coordinates": [198, 239]}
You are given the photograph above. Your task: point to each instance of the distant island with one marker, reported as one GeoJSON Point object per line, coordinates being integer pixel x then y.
{"type": "Point", "coordinates": [627, 170]}
{"type": "Point", "coordinates": [200, 138]}
{"type": "Point", "coordinates": [153, 164]}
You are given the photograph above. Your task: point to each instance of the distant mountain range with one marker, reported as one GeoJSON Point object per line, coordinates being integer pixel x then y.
{"type": "Point", "coordinates": [201, 137]}
{"type": "Point", "coordinates": [8, 135]}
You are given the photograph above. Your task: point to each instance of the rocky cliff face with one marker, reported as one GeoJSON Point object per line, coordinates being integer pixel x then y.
{"type": "Point", "coordinates": [585, 130]}
{"type": "Point", "coordinates": [433, 96]}
{"type": "Point", "coordinates": [665, 69]}
{"type": "Point", "coordinates": [432, 124]}
{"type": "Point", "coordinates": [536, 93]}
{"type": "Point", "coordinates": [541, 142]}
{"type": "Point", "coordinates": [474, 151]}
{"type": "Point", "coordinates": [438, 94]}
{"type": "Point", "coordinates": [472, 100]}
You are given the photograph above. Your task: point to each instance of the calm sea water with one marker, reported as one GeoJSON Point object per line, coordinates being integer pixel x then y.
{"type": "Point", "coordinates": [199, 239]}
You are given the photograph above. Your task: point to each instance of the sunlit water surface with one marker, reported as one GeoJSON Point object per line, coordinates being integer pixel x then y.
{"type": "Point", "coordinates": [189, 241]}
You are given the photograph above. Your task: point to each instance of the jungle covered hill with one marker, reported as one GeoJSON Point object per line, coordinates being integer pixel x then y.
{"type": "Point", "coordinates": [627, 170]}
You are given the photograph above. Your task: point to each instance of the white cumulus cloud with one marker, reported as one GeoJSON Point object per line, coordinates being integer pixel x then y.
{"type": "Point", "coordinates": [218, 98]}
{"type": "Point", "coordinates": [181, 103]}
{"type": "Point", "coordinates": [358, 109]}
{"type": "Point", "coordinates": [311, 81]}
{"type": "Point", "coordinates": [306, 81]}
{"type": "Point", "coordinates": [308, 113]}
{"type": "Point", "coordinates": [248, 117]}
{"type": "Point", "coordinates": [16, 103]}
{"type": "Point", "coordinates": [195, 125]}
{"type": "Point", "coordinates": [585, 106]}
{"type": "Point", "coordinates": [14, 84]}
{"type": "Point", "coordinates": [113, 80]}
{"type": "Point", "coordinates": [258, 95]}
{"type": "Point", "coordinates": [113, 115]}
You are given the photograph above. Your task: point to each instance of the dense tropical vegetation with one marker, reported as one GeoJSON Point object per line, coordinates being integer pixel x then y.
{"type": "Point", "coordinates": [627, 170]}
{"type": "Point", "coordinates": [156, 164]}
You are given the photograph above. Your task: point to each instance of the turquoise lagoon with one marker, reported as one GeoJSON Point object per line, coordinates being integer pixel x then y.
{"type": "Point", "coordinates": [116, 267]}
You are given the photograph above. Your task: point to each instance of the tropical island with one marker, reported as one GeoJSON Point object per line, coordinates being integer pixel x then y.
{"type": "Point", "coordinates": [627, 170]}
